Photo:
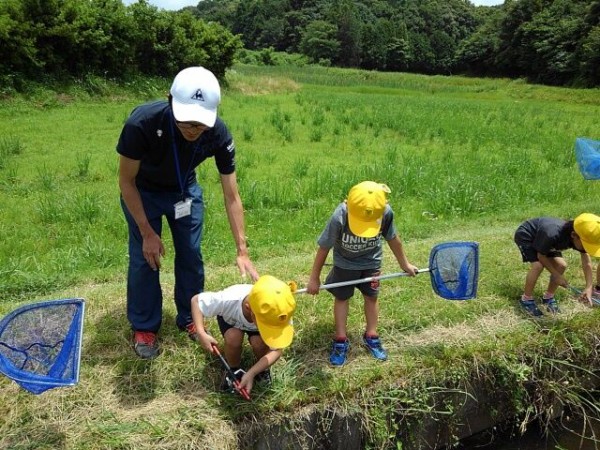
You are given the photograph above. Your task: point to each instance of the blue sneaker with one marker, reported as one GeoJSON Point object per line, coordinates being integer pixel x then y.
{"type": "Point", "coordinates": [531, 308]}
{"type": "Point", "coordinates": [339, 351]}
{"type": "Point", "coordinates": [374, 346]}
{"type": "Point", "coordinates": [264, 377]}
{"type": "Point", "coordinates": [551, 305]}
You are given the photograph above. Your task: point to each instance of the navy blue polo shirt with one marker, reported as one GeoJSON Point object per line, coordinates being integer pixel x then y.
{"type": "Point", "coordinates": [151, 137]}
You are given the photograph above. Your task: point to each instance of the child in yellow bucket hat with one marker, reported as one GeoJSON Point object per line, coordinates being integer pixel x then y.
{"type": "Point", "coordinates": [541, 241]}
{"type": "Point", "coordinates": [262, 311]}
{"type": "Point", "coordinates": [356, 231]}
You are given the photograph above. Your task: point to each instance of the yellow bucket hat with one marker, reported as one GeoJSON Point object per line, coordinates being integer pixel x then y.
{"type": "Point", "coordinates": [587, 227]}
{"type": "Point", "coordinates": [366, 204]}
{"type": "Point", "coordinates": [273, 305]}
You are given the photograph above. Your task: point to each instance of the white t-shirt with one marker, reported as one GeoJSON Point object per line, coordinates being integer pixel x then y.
{"type": "Point", "coordinates": [227, 304]}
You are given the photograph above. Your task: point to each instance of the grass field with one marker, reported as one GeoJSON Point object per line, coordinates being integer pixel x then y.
{"type": "Point", "coordinates": [466, 159]}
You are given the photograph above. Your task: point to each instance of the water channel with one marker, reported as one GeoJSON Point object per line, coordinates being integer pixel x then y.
{"type": "Point", "coordinates": [557, 438]}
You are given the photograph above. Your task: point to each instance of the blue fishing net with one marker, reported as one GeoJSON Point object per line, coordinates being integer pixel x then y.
{"type": "Point", "coordinates": [454, 270]}
{"type": "Point", "coordinates": [40, 344]}
{"type": "Point", "coordinates": [587, 153]}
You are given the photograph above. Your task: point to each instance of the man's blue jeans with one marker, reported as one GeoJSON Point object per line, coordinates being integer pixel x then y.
{"type": "Point", "coordinates": [144, 294]}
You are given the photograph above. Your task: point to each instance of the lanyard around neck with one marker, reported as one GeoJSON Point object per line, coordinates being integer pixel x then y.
{"type": "Point", "coordinates": [176, 157]}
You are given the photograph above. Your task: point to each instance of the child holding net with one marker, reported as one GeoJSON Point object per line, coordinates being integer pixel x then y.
{"type": "Point", "coordinates": [355, 232]}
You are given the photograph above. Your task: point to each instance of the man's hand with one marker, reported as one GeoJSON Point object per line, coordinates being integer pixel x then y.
{"type": "Point", "coordinates": [246, 267]}
{"type": "Point", "coordinates": [153, 249]}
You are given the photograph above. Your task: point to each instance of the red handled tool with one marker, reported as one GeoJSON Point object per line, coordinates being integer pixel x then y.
{"type": "Point", "coordinates": [236, 384]}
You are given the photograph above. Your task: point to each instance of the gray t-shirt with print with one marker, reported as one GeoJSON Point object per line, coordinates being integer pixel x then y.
{"type": "Point", "coordinates": [354, 252]}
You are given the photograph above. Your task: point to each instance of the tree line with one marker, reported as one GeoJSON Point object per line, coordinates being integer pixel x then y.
{"type": "Point", "coordinates": [547, 41]}
{"type": "Point", "coordinates": [63, 39]}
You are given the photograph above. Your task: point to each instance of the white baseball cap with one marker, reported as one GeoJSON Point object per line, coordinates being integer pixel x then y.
{"type": "Point", "coordinates": [196, 94]}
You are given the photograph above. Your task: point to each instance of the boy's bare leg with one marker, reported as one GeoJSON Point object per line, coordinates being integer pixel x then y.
{"type": "Point", "coordinates": [371, 315]}
{"type": "Point", "coordinates": [531, 278]}
{"type": "Point", "coordinates": [234, 339]}
{"type": "Point", "coordinates": [259, 348]}
{"type": "Point", "coordinates": [340, 316]}
{"type": "Point", "coordinates": [560, 265]}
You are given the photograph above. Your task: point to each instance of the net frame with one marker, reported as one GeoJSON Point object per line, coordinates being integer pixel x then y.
{"type": "Point", "coordinates": [587, 154]}
{"type": "Point", "coordinates": [454, 270]}
{"type": "Point", "coordinates": [22, 360]}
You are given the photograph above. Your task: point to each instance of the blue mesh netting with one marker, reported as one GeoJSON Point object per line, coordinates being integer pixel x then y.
{"type": "Point", "coordinates": [454, 270]}
{"type": "Point", "coordinates": [587, 153]}
{"type": "Point", "coordinates": [40, 344]}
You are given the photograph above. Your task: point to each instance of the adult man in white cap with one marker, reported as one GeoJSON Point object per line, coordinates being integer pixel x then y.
{"type": "Point", "coordinates": [160, 146]}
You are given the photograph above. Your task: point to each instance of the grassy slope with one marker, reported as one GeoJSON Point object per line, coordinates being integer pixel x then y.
{"type": "Point", "coordinates": [466, 160]}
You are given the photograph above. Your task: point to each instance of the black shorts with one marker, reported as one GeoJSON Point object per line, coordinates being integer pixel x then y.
{"type": "Point", "coordinates": [337, 274]}
{"type": "Point", "coordinates": [224, 326]}
{"type": "Point", "coordinates": [529, 254]}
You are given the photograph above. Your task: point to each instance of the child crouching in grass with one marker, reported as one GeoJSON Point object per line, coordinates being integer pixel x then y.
{"type": "Point", "coordinates": [541, 240]}
{"type": "Point", "coordinates": [262, 311]}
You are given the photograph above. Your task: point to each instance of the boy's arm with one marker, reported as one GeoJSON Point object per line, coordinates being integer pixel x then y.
{"type": "Point", "coordinates": [315, 275]}
{"type": "Point", "coordinates": [588, 273]}
{"type": "Point", "coordinates": [261, 365]}
{"type": "Point", "coordinates": [206, 340]}
{"type": "Point", "coordinates": [395, 245]}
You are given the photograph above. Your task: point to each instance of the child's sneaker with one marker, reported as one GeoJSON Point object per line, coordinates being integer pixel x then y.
{"type": "Point", "coordinates": [596, 293]}
{"type": "Point", "coordinates": [551, 305]}
{"type": "Point", "coordinates": [531, 308]}
{"type": "Point", "coordinates": [373, 343]}
{"type": "Point", "coordinates": [339, 351]}
{"type": "Point", "coordinates": [264, 377]}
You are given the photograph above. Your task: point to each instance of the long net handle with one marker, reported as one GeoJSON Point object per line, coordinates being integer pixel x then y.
{"type": "Point", "coordinates": [362, 280]}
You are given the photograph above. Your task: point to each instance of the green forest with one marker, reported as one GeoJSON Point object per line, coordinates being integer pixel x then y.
{"type": "Point", "coordinates": [546, 41]}
{"type": "Point", "coordinates": [553, 42]}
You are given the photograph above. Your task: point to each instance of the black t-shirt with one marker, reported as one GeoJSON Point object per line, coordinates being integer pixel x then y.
{"type": "Point", "coordinates": [151, 136]}
{"type": "Point", "coordinates": [546, 234]}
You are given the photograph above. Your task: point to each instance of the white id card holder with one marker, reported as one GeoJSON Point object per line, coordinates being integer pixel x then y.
{"type": "Point", "coordinates": [183, 208]}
